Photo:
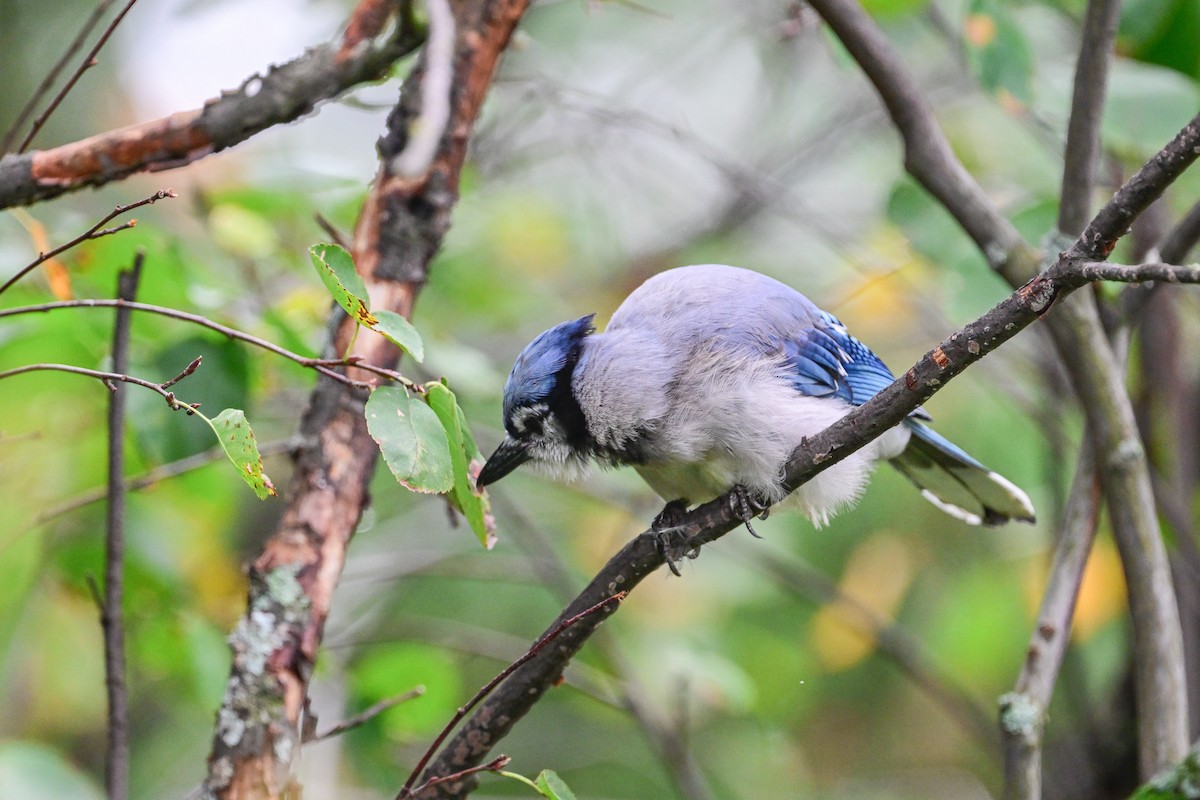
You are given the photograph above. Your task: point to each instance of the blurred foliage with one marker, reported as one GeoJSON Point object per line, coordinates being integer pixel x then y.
{"type": "Point", "coordinates": [621, 139]}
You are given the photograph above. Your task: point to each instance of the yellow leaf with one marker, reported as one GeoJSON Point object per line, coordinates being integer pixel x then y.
{"type": "Point", "coordinates": [57, 276]}
{"type": "Point", "coordinates": [876, 578]}
{"type": "Point", "coordinates": [1102, 594]}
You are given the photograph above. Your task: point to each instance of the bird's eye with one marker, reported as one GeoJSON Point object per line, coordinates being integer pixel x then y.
{"type": "Point", "coordinates": [533, 426]}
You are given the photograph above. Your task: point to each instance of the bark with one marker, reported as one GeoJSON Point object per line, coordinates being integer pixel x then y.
{"type": "Point", "coordinates": [292, 581]}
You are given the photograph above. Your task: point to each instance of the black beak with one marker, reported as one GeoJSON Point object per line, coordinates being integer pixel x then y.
{"type": "Point", "coordinates": [508, 456]}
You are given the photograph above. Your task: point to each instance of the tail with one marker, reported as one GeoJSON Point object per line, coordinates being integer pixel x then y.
{"type": "Point", "coordinates": [957, 483]}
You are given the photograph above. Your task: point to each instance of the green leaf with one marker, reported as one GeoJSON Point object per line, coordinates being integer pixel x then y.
{"type": "Point", "coordinates": [552, 786]}
{"type": "Point", "coordinates": [336, 269]}
{"type": "Point", "coordinates": [1146, 107]}
{"type": "Point", "coordinates": [400, 332]}
{"type": "Point", "coordinates": [466, 460]}
{"type": "Point", "coordinates": [1162, 32]}
{"type": "Point", "coordinates": [412, 440]}
{"type": "Point", "coordinates": [236, 438]}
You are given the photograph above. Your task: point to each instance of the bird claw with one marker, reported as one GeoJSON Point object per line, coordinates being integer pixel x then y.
{"type": "Point", "coordinates": [669, 535]}
{"type": "Point", "coordinates": [748, 506]}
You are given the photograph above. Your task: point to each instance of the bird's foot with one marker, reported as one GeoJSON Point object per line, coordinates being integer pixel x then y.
{"type": "Point", "coordinates": [670, 536]}
{"type": "Point", "coordinates": [747, 506]}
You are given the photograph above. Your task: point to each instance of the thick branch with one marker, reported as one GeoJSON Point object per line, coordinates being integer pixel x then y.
{"type": "Point", "coordinates": [1083, 347]}
{"type": "Point", "coordinates": [293, 579]}
{"type": "Point", "coordinates": [706, 523]}
{"type": "Point", "coordinates": [285, 93]}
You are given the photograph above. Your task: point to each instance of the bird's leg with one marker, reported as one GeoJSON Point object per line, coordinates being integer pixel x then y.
{"type": "Point", "coordinates": [748, 506]}
{"type": "Point", "coordinates": [666, 526]}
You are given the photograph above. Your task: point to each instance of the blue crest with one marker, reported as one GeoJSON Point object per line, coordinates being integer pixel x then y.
{"type": "Point", "coordinates": [535, 377]}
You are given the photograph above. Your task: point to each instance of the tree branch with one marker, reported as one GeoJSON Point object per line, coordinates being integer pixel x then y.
{"type": "Point", "coordinates": [88, 62]}
{"type": "Point", "coordinates": [52, 75]}
{"type": "Point", "coordinates": [1084, 350]}
{"type": "Point", "coordinates": [708, 522]}
{"type": "Point", "coordinates": [94, 232]}
{"type": "Point", "coordinates": [112, 616]}
{"type": "Point", "coordinates": [927, 154]}
{"type": "Point", "coordinates": [608, 603]}
{"type": "Point", "coordinates": [1098, 377]}
{"type": "Point", "coordinates": [292, 581]}
{"type": "Point", "coordinates": [1023, 710]}
{"type": "Point", "coordinates": [322, 365]}
{"type": "Point", "coordinates": [366, 715]}
{"type": "Point", "coordinates": [150, 477]}
{"type": "Point", "coordinates": [1082, 153]}
{"type": "Point", "coordinates": [284, 94]}
{"type": "Point", "coordinates": [109, 379]}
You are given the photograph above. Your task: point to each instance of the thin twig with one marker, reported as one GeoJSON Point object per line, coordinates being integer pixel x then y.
{"type": "Point", "coordinates": [107, 378]}
{"type": "Point", "coordinates": [1173, 250]}
{"type": "Point", "coordinates": [188, 370]}
{"type": "Point", "coordinates": [367, 714]}
{"type": "Point", "coordinates": [94, 592]}
{"type": "Point", "coordinates": [325, 366]}
{"type": "Point", "coordinates": [23, 116]}
{"type": "Point", "coordinates": [93, 232]}
{"type": "Point", "coordinates": [407, 790]}
{"type": "Point", "coordinates": [495, 765]}
{"type": "Point", "coordinates": [112, 619]}
{"type": "Point", "coordinates": [89, 61]}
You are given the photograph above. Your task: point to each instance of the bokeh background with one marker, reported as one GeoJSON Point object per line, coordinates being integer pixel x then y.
{"type": "Point", "coordinates": [861, 660]}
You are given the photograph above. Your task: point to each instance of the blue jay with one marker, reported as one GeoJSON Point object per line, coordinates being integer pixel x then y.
{"type": "Point", "coordinates": [706, 380]}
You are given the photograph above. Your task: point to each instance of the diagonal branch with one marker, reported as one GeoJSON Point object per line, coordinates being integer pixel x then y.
{"type": "Point", "coordinates": [284, 94]}
{"type": "Point", "coordinates": [52, 75]}
{"type": "Point", "coordinates": [643, 555]}
{"type": "Point", "coordinates": [88, 62]}
{"type": "Point", "coordinates": [94, 232]}
{"type": "Point", "coordinates": [927, 153]}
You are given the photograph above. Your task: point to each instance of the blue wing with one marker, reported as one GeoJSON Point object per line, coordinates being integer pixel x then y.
{"type": "Point", "coordinates": [828, 361]}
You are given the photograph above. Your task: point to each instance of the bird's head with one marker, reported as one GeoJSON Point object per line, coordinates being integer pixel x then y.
{"type": "Point", "coordinates": [542, 417]}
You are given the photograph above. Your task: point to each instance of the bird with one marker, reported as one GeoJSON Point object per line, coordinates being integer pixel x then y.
{"type": "Point", "coordinates": [705, 380]}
